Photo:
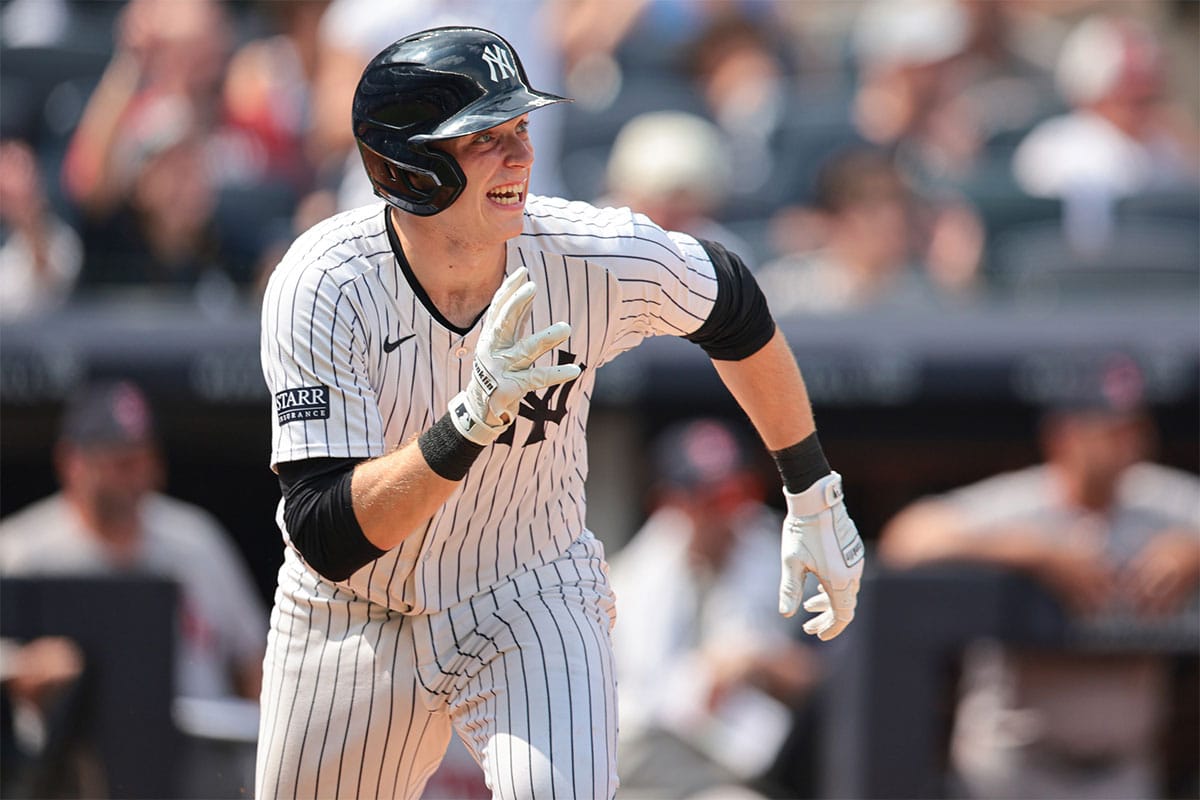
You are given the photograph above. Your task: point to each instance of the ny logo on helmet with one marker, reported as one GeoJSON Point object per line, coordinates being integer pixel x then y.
{"type": "Point", "coordinates": [499, 62]}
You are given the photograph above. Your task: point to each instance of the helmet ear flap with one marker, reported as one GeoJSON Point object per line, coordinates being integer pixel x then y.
{"type": "Point", "coordinates": [428, 184]}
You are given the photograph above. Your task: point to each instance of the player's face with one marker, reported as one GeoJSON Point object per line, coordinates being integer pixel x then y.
{"type": "Point", "coordinates": [496, 163]}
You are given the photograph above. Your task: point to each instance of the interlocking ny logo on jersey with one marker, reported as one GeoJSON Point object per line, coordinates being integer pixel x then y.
{"type": "Point", "coordinates": [549, 407]}
{"type": "Point", "coordinates": [309, 402]}
{"type": "Point", "coordinates": [499, 62]}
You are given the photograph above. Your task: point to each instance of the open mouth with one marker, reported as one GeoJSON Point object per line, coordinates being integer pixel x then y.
{"type": "Point", "coordinates": [510, 194]}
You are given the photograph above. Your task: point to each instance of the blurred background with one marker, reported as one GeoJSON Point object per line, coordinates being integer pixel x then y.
{"type": "Point", "coordinates": [973, 219]}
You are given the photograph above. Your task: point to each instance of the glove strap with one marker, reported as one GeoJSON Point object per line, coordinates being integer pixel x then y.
{"type": "Point", "coordinates": [469, 425]}
{"type": "Point", "coordinates": [822, 495]}
{"type": "Point", "coordinates": [826, 495]}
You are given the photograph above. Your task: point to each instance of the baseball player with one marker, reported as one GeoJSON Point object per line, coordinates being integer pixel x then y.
{"type": "Point", "coordinates": [432, 357]}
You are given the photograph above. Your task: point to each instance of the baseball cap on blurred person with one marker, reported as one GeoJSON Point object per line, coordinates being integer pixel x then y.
{"type": "Point", "coordinates": [663, 153]}
{"type": "Point", "coordinates": [1106, 54]}
{"type": "Point", "coordinates": [914, 32]}
{"type": "Point", "coordinates": [107, 413]}
{"type": "Point", "coordinates": [699, 453]}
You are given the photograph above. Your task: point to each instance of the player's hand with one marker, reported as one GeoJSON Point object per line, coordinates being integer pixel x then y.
{"type": "Point", "coordinates": [503, 371]}
{"type": "Point", "coordinates": [819, 537]}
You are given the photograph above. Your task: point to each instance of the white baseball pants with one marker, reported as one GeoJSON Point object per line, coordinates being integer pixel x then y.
{"type": "Point", "coordinates": [360, 701]}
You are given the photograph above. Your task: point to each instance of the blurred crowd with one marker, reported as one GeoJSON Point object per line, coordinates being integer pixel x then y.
{"type": "Point", "coordinates": [861, 155]}
{"type": "Point", "coordinates": [858, 154]}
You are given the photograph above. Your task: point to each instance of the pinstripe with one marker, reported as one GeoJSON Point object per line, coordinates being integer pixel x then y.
{"type": "Point", "coordinates": [391, 720]}
{"type": "Point", "coordinates": [587, 666]}
{"type": "Point", "coordinates": [545, 672]}
{"type": "Point", "coordinates": [568, 696]}
{"type": "Point", "coordinates": [329, 726]}
{"type": "Point", "coordinates": [524, 693]}
{"type": "Point", "coordinates": [287, 728]}
{"type": "Point", "coordinates": [268, 727]}
{"type": "Point", "coordinates": [310, 723]}
{"type": "Point", "coordinates": [333, 360]}
{"type": "Point", "coordinates": [292, 708]}
{"type": "Point", "coordinates": [379, 629]}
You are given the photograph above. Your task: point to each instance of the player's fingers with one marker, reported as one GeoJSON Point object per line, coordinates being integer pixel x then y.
{"type": "Point", "coordinates": [519, 277]}
{"type": "Point", "coordinates": [818, 625]}
{"type": "Point", "coordinates": [818, 603]}
{"type": "Point", "coordinates": [837, 611]}
{"type": "Point", "coordinates": [541, 377]}
{"type": "Point", "coordinates": [513, 312]}
{"type": "Point", "coordinates": [529, 349]}
{"type": "Point", "coordinates": [791, 586]}
{"type": "Point", "coordinates": [507, 287]}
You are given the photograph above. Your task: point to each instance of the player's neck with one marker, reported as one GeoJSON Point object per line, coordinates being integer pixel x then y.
{"type": "Point", "coordinates": [459, 277]}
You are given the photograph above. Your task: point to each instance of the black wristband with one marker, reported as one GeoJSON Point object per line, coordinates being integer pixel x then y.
{"type": "Point", "coordinates": [802, 464]}
{"type": "Point", "coordinates": [447, 451]}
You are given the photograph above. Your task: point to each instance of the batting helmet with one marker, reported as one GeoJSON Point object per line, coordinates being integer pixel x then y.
{"type": "Point", "coordinates": [430, 86]}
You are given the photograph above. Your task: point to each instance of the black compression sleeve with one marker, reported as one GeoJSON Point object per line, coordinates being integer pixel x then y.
{"type": "Point", "coordinates": [740, 322]}
{"type": "Point", "coordinates": [319, 514]}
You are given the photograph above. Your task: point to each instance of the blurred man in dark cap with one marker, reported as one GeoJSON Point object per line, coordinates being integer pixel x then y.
{"type": "Point", "coordinates": [708, 677]}
{"type": "Point", "coordinates": [1117, 540]}
{"type": "Point", "coordinates": [110, 518]}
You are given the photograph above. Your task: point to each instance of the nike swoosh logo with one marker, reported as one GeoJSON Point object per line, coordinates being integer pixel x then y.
{"type": "Point", "coordinates": [390, 346]}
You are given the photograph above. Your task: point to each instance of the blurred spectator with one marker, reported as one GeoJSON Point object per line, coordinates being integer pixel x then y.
{"type": "Point", "coordinates": [162, 231]}
{"type": "Point", "coordinates": [189, 157]}
{"type": "Point", "coordinates": [266, 102]}
{"type": "Point", "coordinates": [1000, 69]}
{"type": "Point", "coordinates": [40, 254]}
{"type": "Point", "coordinates": [674, 168]}
{"type": "Point", "coordinates": [137, 164]}
{"type": "Point", "coordinates": [872, 253]}
{"type": "Point", "coordinates": [169, 59]}
{"type": "Point", "coordinates": [111, 519]}
{"type": "Point", "coordinates": [910, 85]}
{"type": "Point", "coordinates": [708, 670]}
{"type": "Point", "coordinates": [1122, 136]}
{"type": "Point", "coordinates": [737, 66]}
{"type": "Point", "coordinates": [40, 699]}
{"type": "Point", "coordinates": [944, 81]}
{"type": "Point", "coordinates": [33, 23]}
{"type": "Point", "coordinates": [1117, 540]}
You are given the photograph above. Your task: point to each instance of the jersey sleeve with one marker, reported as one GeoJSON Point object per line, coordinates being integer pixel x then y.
{"type": "Point", "coordinates": [315, 362]}
{"type": "Point", "coordinates": [664, 284]}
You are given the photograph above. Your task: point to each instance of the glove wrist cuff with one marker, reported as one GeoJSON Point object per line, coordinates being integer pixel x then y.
{"type": "Point", "coordinates": [822, 495]}
{"type": "Point", "coordinates": [469, 425]}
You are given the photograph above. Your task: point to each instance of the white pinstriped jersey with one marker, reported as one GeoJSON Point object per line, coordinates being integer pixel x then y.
{"type": "Point", "coordinates": [358, 363]}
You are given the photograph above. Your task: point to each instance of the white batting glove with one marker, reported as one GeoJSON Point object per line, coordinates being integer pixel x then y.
{"type": "Point", "coordinates": [819, 537]}
{"type": "Point", "coordinates": [503, 373]}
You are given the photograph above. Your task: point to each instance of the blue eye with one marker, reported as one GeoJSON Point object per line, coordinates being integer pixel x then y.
{"type": "Point", "coordinates": [484, 138]}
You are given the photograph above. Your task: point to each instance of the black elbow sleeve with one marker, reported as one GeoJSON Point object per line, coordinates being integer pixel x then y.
{"type": "Point", "coordinates": [319, 514]}
{"type": "Point", "coordinates": [740, 322]}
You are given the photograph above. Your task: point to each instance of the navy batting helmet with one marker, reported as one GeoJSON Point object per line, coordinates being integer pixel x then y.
{"type": "Point", "coordinates": [430, 86]}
